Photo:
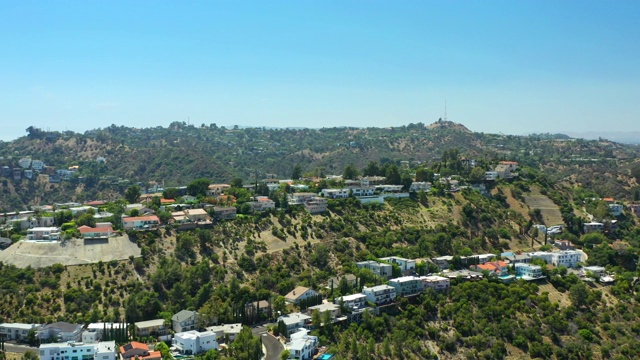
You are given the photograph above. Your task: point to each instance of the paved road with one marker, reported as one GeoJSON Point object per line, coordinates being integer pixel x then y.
{"type": "Point", "coordinates": [9, 347]}
{"type": "Point", "coordinates": [273, 345]}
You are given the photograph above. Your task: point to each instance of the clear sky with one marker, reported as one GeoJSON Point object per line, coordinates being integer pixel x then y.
{"type": "Point", "coordinates": [502, 66]}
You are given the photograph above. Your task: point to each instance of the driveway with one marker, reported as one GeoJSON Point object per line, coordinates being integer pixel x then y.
{"type": "Point", "coordinates": [274, 347]}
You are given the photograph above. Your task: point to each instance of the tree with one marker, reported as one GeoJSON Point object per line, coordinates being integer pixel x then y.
{"type": "Point", "coordinates": [285, 354]}
{"type": "Point", "coordinates": [297, 172]}
{"type": "Point", "coordinates": [198, 187]}
{"type": "Point", "coordinates": [393, 175]}
{"type": "Point", "coordinates": [86, 219]}
{"type": "Point", "coordinates": [579, 293]}
{"type": "Point", "coordinates": [236, 183]}
{"type": "Point", "coordinates": [246, 346]}
{"type": "Point", "coordinates": [477, 174]}
{"type": "Point", "coordinates": [164, 350]}
{"type": "Point", "coordinates": [350, 172]}
{"type": "Point", "coordinates": [170, 193]}
{"type": "Point", "coordinates": [424, 174]}
{"type": "Point", "coordinates": [132, 194]}
{"type": "Point", "coordinates": [30, 355]}
{"type": "Point", "coordinates": [372, 169]}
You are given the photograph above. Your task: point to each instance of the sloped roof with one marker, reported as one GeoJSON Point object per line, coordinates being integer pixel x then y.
{"type": "Point", "coordinates": [183, 315]}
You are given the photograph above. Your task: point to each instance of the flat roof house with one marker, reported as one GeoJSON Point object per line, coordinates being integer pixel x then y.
{"type": "Point", "coordinates": [194, 342]}
{"type": "Point", "coordinates": [353, 301]}
{"type": "Point", "coordinates": [295, 321]}
{"type": "Point", "coordinates": [381, 294]}
{"type": "Point", "coordinates": [154, 327]}
{"type": "Point", "coordinates": [16, 331]}
{"type": "Point", "coordinates": [406, 285]}
{"type": "Point", "coordinates": [140, 222]}
{"type": "Point", "coordinates": [60, 331]}
{"type": "Point", "coordinates": [380, 269]}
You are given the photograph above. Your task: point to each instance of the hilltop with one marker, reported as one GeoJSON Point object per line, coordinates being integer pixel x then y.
{"type": "Point", "coordinates": [176, 155]}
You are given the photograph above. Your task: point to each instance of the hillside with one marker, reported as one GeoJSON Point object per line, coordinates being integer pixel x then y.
{"type": "Point", "coordinates": [176, 155]}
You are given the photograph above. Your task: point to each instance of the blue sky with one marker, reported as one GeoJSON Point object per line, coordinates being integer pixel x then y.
{"type": "Point", "coordinates": [502, 66]}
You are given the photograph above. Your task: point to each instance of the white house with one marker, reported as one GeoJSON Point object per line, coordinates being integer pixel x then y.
{"type": "Point", "coordinates": [193, 342]}
{"type": "Point", "coordinates": [299, 293]}
{"type": "Point", "coordinates": [302, 345]}
{"type": "Point", "coordinates": [60, 331]}
{"type": "Point", "coordinates": [406, 265]}
{"type": "Point", "coordinates": [78, 351]}
{"type": "Point", "coordinates": [420, 186]}
{"type": "Point", "coordinates": [528, 271]}
{"type": "Point", "coordinates": [16, 331]}
{"type": "Point", "coordinates": [316, 205]}
{"type": "Point", "coordinates": [380, 295]}
{"type": "Point", "coordinates": [295, 321]}
{"type": "Point", "coordinates": [406, 285]}
{"type": "Point", "coordinates": [335, 193]}
{"type": "Point", "coordinates": [300, 197]}
{"type": "Point", "coordinates": [491, 175]}
{"type": "Point", "coordinates": [566, 258]}
{"type": "Point", "coordinates": [354, 301]}
{"type": "Point", "coordinates": [154, 327]}
{"type": "Point", "coordinates": [262, 203]}
{"type": "Point", "coordinates": [437, 283]}
{"type": "Point", "coordinates": [592, 227]}
{"type": "Point", "coordinates": [229, 331]}
{"type": "Point", "coordinates": [43, 233]}
{"type": "Point", "coordinates": [616, 209]}
{"type": "Point", "coordinates": [140, 222]}
{"type": "Point", "coordinates": [95, 331]}
{"type": "Point", "coordinates": [380, 269]}
{"type": "Point", "coordinates": [331, 308]}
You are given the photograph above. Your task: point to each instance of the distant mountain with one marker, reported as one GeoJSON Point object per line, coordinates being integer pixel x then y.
{"type": "Point", "coordinates": [625, 137]}
{"type": "Point", "coordinates": [180, 153]}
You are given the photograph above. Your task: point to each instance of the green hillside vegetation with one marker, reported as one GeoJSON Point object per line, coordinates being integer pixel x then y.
{"type": "Point", "coordinates": [263, 256]}
{"type": "Point", "coordinates": [178, 154]}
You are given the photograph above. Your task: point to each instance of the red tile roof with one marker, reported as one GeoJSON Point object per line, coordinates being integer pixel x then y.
{"type": "Point", "coordinates": [134, 345]}
{"type": "Point", "coordinates": [87, 229]}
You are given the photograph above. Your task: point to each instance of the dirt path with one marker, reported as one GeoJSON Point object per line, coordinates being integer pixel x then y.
{"type": "Point", "coordinates": [72, 252]}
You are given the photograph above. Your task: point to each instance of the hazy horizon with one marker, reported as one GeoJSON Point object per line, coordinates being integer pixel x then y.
{"type": "Point", "coordinates": [501, 67]}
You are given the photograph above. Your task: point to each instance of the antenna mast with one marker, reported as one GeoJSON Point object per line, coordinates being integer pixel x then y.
{"type": "Point", "coordinates": [445, 109]}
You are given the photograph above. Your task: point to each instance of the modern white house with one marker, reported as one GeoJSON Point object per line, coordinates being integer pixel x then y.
{"type": "Point", "coordinates": [78, 351]}
{"type": "Point", "coordinates": [95, 331]}
{"type": "Point", "coordinates": [406, 285]}
{"type": "Point", "coordinates": [420, 186]}
{"type": "Point", "coordinates": [316, 205]}
{"type": "Point", "coordinates": [193, 342]}
{"type": "Point", "coordinates": [43, 233]}
{"type": "Point", "coordinates": [380, 269]}
{"type": "Point", "coordinates": [437, 283]}
{"type": "Point", "coordinates": [16, 331]}
{"type": "Point", "coordinates": [528, 271]}
{"type": "Point", "coordinates": [302, 345]}
{"type": "Point", "coordinates": [406, 265]}
{"type": "Point", "coordinates": [331, 308]}
{"type": "Point", "coordinates": [295, 321]}
{"type": "Point", "coordinates": [566, 258]}
{"type": "Point", "coordinates": [229, 331]}
{"type": "Point", "coordinates": [354, 301]}
{"type": "Point", "coordinates": [592, 227]}
{"type": "Point", "coordinates": [60, 331]}
{"type": "Point", "coordinates": [380, 295]}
